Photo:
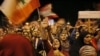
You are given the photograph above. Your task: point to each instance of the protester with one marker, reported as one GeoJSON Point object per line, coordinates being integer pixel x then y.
{"type": "Point", "coordinates": [87, 50]}
{"type": "Point", "coordinates": [15, 45]}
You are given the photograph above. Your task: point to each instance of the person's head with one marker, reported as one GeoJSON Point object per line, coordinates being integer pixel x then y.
{"type": "Point", "coordinates": [87, 38]}
{"type": "Point", "coordinates": [98, 32]}
{"type": "Point", "coordinates": [36, 32]}
{"type": "Point", "coordinates": [44, 22]}
{"type": "Point", "coordinates": [56, 44]}
{"type": "Point", "coordinates": [84, 28]}
{"type": "Point", "coordinates": [35, 24]}
{"type": "Point", "coordinates": [63, 36]}
{"type": "Point", "coordinates": [84, 38]}
{"type": "Point", "coordinates": [87, 51]}
{"type": "Point", "coordinates": [60, 22]}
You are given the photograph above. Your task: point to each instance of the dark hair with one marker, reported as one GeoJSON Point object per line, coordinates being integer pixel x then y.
{"type": "Point", "coordinates": [1, 1]}
{"type": "Point", "coordinates": [82, 36]}
{"type": "Point", "coordinates": [60, 44]}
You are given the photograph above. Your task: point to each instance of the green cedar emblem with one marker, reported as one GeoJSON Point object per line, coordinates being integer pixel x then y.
{"type": "Point", "coordinates": [23, 1]}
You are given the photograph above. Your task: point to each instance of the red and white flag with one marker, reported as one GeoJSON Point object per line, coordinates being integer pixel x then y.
{"type": "Point", "coordinates": [46, 11]}
{"type": "Point", "coordinates": [17, 11]}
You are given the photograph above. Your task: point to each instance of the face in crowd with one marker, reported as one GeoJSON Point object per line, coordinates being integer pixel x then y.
{"type": "Point", "coordinates": [87, 38]}
{"type": "Point", "coordinates": [45, 23]}
{"type": "Point", "coordinates": [56, 44]}
{"type": "Point", "coordinates": [36, 32]}
{"type": "Point", "coordinates": [63, 36]}
{"type": "Point", "coordinates": [60, 22]}
{"type": "Point", "coordinates": [58, 25]}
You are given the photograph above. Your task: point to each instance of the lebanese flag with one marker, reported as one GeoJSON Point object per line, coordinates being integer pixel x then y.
{"type": "Point", "coordinates": [17, 11]}
{"type": "Point", "coordinates": [46, 11]}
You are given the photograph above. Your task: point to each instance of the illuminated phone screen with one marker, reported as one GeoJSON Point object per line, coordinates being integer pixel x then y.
{"type": "Point", "coordinates": [51, 22]}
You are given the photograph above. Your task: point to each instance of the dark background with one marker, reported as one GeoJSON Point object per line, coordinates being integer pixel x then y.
{"type": "Point", "coordinates": [67, 9]}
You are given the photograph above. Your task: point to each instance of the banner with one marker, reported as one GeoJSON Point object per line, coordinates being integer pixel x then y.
{"type": "Point", "coordinates": [89, 14]}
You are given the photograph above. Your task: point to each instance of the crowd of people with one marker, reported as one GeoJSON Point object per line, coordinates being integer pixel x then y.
{"type": "Point", "coordinates": [39, 38]}
{"type": "Point", "coordinates": [45, 37]}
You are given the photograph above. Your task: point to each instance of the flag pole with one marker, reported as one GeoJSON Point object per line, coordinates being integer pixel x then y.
{"type": "Point", "coordinates": [39, 15]}
{"type": "Point", "coordinates": [39, 20]}
{"type": "Point", "coordinates": [89, 24]}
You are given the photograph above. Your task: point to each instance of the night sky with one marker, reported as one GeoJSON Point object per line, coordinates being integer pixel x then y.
{"type": "Point", "coordinates": [67, 9]}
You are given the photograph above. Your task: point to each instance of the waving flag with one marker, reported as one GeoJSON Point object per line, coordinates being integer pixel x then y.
{"type": "Point", "coordinates": [17, 11]}
{"type": "Point", "coordinates": [46, 11]}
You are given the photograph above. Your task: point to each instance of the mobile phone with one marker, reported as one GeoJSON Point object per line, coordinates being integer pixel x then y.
{"type": "Point", "coordinates": [51, 22]}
